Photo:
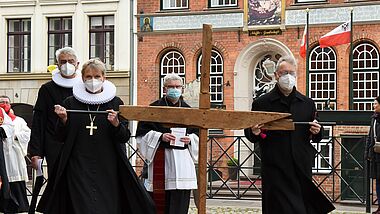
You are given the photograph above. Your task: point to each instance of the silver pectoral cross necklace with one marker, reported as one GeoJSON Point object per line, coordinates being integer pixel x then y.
{"type": "Point", "coordinates": [91, 126]}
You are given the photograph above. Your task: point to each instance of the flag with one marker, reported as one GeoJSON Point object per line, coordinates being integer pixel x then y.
{"type": "Point", "coordinates": [303, 43]}
{"type": "Point", "coordinates": [338, 36]}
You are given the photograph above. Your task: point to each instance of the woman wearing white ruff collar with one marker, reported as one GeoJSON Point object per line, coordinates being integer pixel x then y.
{"type": "Point", "coordinates": [94, 174]}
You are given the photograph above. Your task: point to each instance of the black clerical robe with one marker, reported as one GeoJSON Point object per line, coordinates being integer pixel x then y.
{"type": "Point", "coordinates": [93, 174]}
{"type": "Point", "coordinates": [176, 201]}
{"type": "Point", "coordinates": [42, 140]}
{"type": "Point", "coordinates": [287, 157]}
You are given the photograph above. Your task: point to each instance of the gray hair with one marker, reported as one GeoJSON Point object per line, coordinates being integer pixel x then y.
{"type": "Point", "coordinates": [96, 64]}
{"type": "Point", "coordinates": [288, 59]}
{"type": "Point", "coordinates": [172, 77]}
{"type": "Point", "coordinates": [66, 50]}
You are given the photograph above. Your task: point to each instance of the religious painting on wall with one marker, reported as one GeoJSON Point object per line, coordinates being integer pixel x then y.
{"type": "Point", "coordinates": [264, 14]}
{"type": "Point", "coordinates": [146, 24]}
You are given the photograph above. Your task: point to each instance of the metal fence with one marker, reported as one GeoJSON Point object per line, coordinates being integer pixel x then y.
{"type": "Point", "coordinates": [233, 167]}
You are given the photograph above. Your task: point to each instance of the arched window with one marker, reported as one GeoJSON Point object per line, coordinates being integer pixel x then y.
{"type": "Point", "coordinates": [322, 77]}
{"type": "Point", "coordinates": [172, 62]}
{"type": "Point", "coordinates": [365, 76]}
{"type": "Point", "coordinates": [216, 77]}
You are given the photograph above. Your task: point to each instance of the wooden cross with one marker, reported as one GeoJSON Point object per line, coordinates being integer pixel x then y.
{"type": "Point", "coordinates": [206, 118]}
{"type": "Point", "coordinates": [91, 127]}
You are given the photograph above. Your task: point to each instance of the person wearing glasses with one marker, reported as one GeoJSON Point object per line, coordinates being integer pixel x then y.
{"type": "Point", "coordinates": [170, 153]}
{"type": "Point", "coordinates": [287, 156]}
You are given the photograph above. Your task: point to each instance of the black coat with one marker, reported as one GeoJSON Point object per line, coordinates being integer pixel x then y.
{"type": "Point", "coordinates": [42, 139]}
{"type": "Point", "coordinates": [369, 152]}
{"type": "Point", "coordinates": [287, 157]}
{"type": "Point", "coordinates": [93, 173]}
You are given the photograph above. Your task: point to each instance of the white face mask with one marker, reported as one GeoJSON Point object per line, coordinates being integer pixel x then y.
{"type": "Point", "coordinates": [67, 69]}
{"type": "Point", "coordinates": [93, 85]}
{"type": "Point", "coordinates": [287, 82]}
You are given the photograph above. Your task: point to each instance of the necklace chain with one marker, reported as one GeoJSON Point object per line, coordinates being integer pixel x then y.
{"type": "Point", "coordinates": [92, 118]}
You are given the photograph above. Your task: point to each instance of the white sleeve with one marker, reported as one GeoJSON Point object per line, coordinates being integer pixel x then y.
{"type": "Point", "coordinates": [8, 125]}
{"type": "Point", "coordinates": [194, 147]}
{"type": "Point", "coordinates": [148, 144]}
{"type": "Point", "coordinates": [22, 132]}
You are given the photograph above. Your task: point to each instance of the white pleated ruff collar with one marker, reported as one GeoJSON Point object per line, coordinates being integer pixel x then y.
{"type": "Point", "coordinates": [64, 82]}
{"type": "Point", "coordinates": [81, 94]}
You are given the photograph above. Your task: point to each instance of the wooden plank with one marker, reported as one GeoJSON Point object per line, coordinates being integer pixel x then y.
{"type": "Point", "coordinates": [205, 118]}
{"type": "Point", "coordinates": [204, 103]}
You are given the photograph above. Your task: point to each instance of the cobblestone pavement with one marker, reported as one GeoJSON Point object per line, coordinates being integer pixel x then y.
{"type": "Point", "coordinates": [217, 206]}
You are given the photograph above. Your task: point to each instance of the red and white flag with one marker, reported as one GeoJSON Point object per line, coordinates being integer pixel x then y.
{"type": "Point", "coordinates": [303, 43]}
{"type": "Point", "coordinates": [338, 36]}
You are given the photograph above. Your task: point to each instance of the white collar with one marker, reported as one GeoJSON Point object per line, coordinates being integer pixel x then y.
{"type": "Point", "coordinates": [81, 94]}
{"type": "Point", "coordinates": [65, 82]}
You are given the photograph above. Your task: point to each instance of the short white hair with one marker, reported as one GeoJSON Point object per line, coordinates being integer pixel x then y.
{"type": "Point", "coordinates": [288, 59]}
{"type": "Point", "coordinates": [66, 50]}
{"type": "Point", "coordinates": [172, 77]}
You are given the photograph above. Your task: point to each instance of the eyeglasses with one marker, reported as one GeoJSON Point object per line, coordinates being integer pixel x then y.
{"type": "Point", "coordinates": [174, 86]}
{"type": "Point", "coordinates": [71, 61]}
{"type": "Point", "coordinates": [284, 72]}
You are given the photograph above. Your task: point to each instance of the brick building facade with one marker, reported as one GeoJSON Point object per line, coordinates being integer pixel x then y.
{"type": "Point", "coordinates": [172, 43]}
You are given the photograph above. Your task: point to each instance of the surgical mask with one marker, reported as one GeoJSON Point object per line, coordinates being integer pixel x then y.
{"type": "Point", "coordinates": [287, 82]}
{"type": "Point", "coordinates": [67, 69]}
{"type": "Point", "coordinates": [93, 85]}
{"type": "Point", "coordinates": [6, 107]}
{"type": "Point", "coordinates": [174, 93]}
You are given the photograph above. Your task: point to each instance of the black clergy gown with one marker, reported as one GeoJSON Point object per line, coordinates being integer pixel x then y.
{"type": "Point", "coordinates": [93, 174]}
{"type": "Point", "coordinates": [42, 140]}
{"type": "Point", "coordinates": [287, 158]}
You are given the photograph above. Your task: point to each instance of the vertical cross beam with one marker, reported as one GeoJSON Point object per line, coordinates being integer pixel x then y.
{"type": "Point", "coordinates": [204, 103]}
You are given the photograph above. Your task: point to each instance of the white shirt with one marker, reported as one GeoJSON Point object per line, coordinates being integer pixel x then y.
{"type": "Point", "coordinates": [15, 147]}
{"type": "Point", "coordinates": [179, 164]}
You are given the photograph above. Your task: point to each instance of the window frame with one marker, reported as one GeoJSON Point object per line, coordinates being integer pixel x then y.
{"type": "Point", "coordinates": [324, 76]}
{"type": "Point", "coordinates": [21, 46]}
{"type": "Point", "coordinates": [181, 74]}
{"type": "Point", "coordinates": [103, 35]}
{"type": "Point", "coordinates": [62, 33]}
{"type": "Point", "coordinates": [223, 5]}
{"type": "Point", "coordinates": [214, 75]}
{"type": "Point", "coordinates": [370, 73]}
{"type": "Point", "coordinates": [162, 5]}
{"type": "Point", "coordinates": [316, 168]}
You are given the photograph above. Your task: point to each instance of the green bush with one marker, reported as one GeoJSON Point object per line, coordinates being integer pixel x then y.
{"type": "Point", "coordinates": [230, 162]}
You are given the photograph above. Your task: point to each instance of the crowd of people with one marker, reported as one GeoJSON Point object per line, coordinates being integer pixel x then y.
{"type": "Point", "coordinates": [89, 172]}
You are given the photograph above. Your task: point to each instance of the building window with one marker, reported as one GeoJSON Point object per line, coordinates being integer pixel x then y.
{"type": "Point", "coordinates": [19, 45]}
{"type": "Point", "coordinates": [322, 76]}
{"type": "Point", "coordinates": [365, 76]}
{"type": "Point", "coordinates": [323, 159]}
{"type": "Point", "coordinates": [174, 4]}
{"type": "Point", "coordinates": [60, 35]}
{"type": "Point", "coordinates": [102, 39]}
{"type": "Point", "coordinates": [222, 3]}
{"type": "Point", "coordinates": [172, 62]}
{"type": "Point", "coordinates": [216, 76]}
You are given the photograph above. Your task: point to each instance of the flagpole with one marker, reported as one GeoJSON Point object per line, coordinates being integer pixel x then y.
{"type": "Point", "coordinates": [351, 60]}
{"type": "Point", "coordinates": [307, 52]}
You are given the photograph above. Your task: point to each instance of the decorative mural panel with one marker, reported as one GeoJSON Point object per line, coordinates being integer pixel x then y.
{"type": "Point", "coordinates": [264, 13]}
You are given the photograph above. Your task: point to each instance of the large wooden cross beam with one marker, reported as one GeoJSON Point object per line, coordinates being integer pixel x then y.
{"type": "Point", "coordinates": [206, 118]}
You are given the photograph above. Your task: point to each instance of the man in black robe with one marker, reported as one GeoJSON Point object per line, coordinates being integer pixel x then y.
{"type": "Point", "coordinates": [287, 156]}
{"type": "Point", "coordinates": [93, 174]}
{"type": "Point", "coordinates": [171, 171]}
{"type": "Point", "coordinates": [42, 141]}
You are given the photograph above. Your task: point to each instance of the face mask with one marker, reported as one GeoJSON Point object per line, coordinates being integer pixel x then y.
{"type": "Point", "coordinates": [287, 82]}
{"type": "Point", "coordinates": [93, 85]}
{"type": "Point", "coordinates": [173, 93]}
{"type": "Point", "coordinates": [67, 69]}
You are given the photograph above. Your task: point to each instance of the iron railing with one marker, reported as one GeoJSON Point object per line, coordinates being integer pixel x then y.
{"type": "Point", "coordinates": [339, 172]}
